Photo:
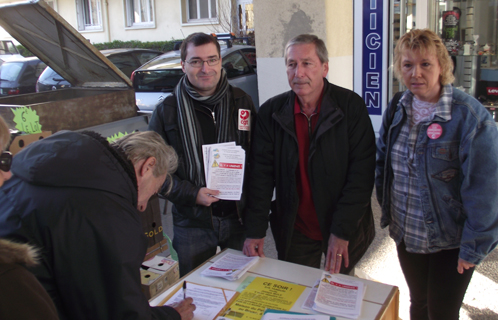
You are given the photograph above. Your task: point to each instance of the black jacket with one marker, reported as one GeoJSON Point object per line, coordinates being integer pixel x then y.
{"type": "Point", "coordinates": [341, 170]}
{"type": "Point", "coordinates": [75, 198]}
{"type": "Point", "coordinates": [183, 195]}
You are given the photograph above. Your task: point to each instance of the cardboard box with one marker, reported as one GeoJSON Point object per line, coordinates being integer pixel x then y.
{"type": "Point", "coordinates": [159, 247]}
{"type": "Point", "coordinates": [158, 274]}
{"type": "Point", "coordinates": [151, 222]}
{"type": "Point", "coordinates": [22, 141]}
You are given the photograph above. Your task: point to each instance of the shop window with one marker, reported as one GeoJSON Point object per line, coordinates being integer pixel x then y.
{"type": "Point", "coordinates": [139, 13]}
{"type": "Point", "coordinates": [469, 30]}
{"type": "Point", "coordinates": [89, 15]}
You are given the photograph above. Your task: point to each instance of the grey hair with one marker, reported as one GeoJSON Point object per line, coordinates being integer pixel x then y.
{"type": "Point", "coordinates": [142, 145]}
{"type": "Point", "coordinates": [321, 49]}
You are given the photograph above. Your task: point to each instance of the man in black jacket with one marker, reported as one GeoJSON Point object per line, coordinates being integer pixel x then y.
{"type": "Point", "coordinates": [75, 198]}
{"type": "Point", "coordinates": [315, 145]}
{"type": "Point", "coordinates": [203, 109]}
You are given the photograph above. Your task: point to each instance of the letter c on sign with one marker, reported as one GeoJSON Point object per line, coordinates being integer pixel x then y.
{"type": "Point", "coordinates": [373, 41]}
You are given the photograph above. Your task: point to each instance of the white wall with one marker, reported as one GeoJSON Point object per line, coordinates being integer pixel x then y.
{"type": "Point", "coordinates": [276, 22]}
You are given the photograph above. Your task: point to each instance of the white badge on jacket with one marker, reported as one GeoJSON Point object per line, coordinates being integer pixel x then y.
{"type": "Point", "coordinates": [244, 120]}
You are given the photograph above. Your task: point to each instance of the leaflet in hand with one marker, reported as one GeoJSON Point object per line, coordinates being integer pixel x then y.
{"type": "Point", "coordinates": [230, 266]}
{"type": "Point", "coordinates": [339, 296]}
{"type": "Point", "coordinates": [224, 165]}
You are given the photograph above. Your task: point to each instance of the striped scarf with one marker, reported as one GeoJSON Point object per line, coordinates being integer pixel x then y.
{"type": "Point", "coordinates": [185, 96]}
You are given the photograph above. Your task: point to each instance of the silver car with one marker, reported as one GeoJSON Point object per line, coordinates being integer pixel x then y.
{"type": "Point", "coordinates": [156, 79]}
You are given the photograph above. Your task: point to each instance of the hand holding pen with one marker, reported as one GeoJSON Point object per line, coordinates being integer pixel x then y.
{"type": "Point", "coordinates": [186, 307]}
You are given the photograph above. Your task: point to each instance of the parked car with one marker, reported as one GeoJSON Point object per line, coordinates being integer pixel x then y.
{"type": "Point", "coordinates": [19, 76]}
{"type": "Point", "coordinates": [127, 60]}
{"type": "Point", "coordinates": [156, 79]}
{"type": "Point", "coordinates": [8, 51]}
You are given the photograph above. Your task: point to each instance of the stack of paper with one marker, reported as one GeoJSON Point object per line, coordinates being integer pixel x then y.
{"type": "Point", "coordinates": [337, 295]}
{"type": "Point", "coordinates": [230, 266]}
{"type": "Point", "coordinates": [224, 165]}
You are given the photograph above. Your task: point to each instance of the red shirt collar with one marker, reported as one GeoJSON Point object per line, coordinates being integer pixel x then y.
{"type": "Point", "coordinates": [297, 108]}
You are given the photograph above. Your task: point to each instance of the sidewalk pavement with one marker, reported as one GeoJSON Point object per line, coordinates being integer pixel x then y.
{"type": "Point", "coordinates": [380, 263]}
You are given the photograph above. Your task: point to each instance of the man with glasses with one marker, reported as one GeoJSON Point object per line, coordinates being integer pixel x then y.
{"type": "Point", "coordinates": [203, 109]}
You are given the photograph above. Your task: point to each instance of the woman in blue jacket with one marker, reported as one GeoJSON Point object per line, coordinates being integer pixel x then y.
{"type": "Point", "coordinates": [436, 178]}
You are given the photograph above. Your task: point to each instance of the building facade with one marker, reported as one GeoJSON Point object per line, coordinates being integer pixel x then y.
{"type": "Point", "coordinates": [149, 20]}
{"type": "Point", "coordinates": [360, 35]}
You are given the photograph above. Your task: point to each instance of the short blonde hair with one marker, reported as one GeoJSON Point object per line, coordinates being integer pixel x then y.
{"type": "Point", "coordinates": [4, 134]}
{"type": "Point", "coordinates": [424, 40]}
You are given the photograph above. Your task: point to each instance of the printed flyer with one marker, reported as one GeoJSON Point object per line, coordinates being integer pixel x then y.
{"type": "Point", "coordinates": [264, 294]}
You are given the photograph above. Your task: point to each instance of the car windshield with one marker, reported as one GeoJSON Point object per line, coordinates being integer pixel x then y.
{"type": "Point", "coordinates": [49, 73]}
{"type": "Point", "coordinates": [158, 75]}
{"type": "Point", "coordinates": [165, 63]}
{"type": "Point", "coordinates": [10, 70]}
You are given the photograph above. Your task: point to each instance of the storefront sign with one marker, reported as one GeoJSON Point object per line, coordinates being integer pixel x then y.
{"type": "Point", "coordinates": [372, 55]}
{"type": "Point", "coordinates": [492, 91]}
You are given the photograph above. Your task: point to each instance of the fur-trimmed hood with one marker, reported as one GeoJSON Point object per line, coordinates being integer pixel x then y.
{"type": "Point", "coordinates": [21, 253]}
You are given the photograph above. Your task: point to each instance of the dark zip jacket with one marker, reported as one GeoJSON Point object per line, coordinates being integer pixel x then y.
{"type": "Point", "coordinates": [341, 171]}
{"type": "Point", "coordinates": [164, 120]}
{"type": "Point", "coordinates": [74, 197]}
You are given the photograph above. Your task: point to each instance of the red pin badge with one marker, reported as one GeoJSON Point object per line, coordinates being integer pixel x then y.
{"type": "Point", "coordinates": [434, 131]}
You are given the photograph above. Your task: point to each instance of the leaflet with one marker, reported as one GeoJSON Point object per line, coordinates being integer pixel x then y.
{"type": "Point", "coordinates": [224, 166]}
{"type": "Point", "coordinates": [263, 294]}
{"type": "Point", "coordinates": [310, 301]}
{"type": "Point", "coordinates": [339, 296]}
{"type": "Point", "coordinates": [230, 266]}
{"type": "Point", "coordinates": [205, 153]}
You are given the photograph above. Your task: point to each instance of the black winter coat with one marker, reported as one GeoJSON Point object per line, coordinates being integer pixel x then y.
{"type": "Point", "coordinates": [341, 170]}
{"type": "Point", "coordinates": [74, 197]}
{"type": "Point", "coordinates": [164, 120]}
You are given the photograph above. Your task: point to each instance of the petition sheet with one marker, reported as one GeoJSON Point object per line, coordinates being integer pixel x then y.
{"type": "Point", "coordinates": [209, 301]}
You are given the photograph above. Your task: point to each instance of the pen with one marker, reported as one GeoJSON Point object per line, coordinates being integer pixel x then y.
{"type": "Point", "coordinates": [184, 289]}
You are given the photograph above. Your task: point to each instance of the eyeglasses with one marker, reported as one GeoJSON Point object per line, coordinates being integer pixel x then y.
{"type": "Point", "coordinates": [5, 161]}
{"type": "Point", "coordinates": [198, 63]}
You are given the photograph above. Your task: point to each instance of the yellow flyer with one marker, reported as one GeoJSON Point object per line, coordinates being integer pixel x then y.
{"type": "Point", "coordinates": [261, 294]}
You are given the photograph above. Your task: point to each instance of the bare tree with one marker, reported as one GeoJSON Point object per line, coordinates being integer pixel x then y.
{"type": "Point", "coordinates": [227, 17]}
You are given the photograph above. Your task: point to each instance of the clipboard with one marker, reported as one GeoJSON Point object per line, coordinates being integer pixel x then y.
{"type": "Point", "coordinates": [223, 310]}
